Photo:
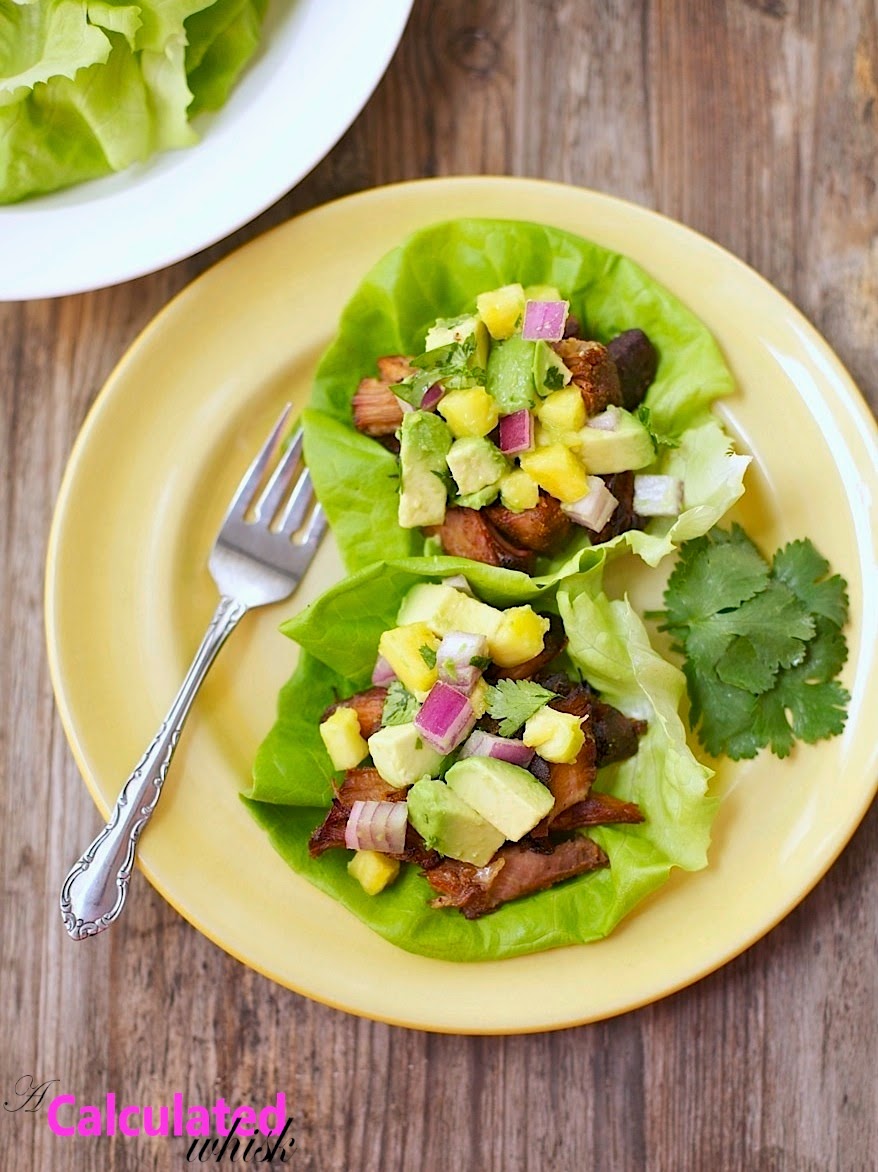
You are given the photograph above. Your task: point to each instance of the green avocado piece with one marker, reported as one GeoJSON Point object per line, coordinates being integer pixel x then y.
{"type": "Point", "coordinates": [505, 795]}
{"type": "Point", "coordinates": [629, 446]}
{"type": "Point", "coordinates": [550, 373]}
{"type": "Point", "coordinates": [511, 374]}
{"type": "Point", "coordinates": [476, 464]}
{"type": "Point", "coordinates": [424, 442]}
{"type": "Point", "coordinates": [447, 824]}
{"type": "Point", "coordinates": [401, 755]}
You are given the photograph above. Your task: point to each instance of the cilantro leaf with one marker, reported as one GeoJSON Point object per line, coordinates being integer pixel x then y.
{"type": "Point", "coordinates": [513, 702]}
{"type": "Point", "coordinates": [553, 379]}
{"type": "Point", "coordinates": [805, 571]}
{"type": "Point", "coordinates": [714, 573]}
{"type": "Point", "coordinates": [400, 706]}
{"type": "Point", "coordinates": [428, 654]}
{"type": "Point", "coordinates": [659, 438]}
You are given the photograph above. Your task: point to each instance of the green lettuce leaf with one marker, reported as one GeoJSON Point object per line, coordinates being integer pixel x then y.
{"type": "Point", "coordinates": [438, 272]}
{"type": "Point", "coordinates": [292, 775]}
{"type": "Point", "coordinates": [92, 86]}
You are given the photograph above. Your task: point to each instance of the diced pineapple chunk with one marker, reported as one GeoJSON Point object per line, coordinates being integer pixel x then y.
{"type": "Point", "coordinates": [562, 411]}
{"type": "Point", "coordinates": [469, 412]}
{"type": "Point", "coordinates": [556, 736]}
{"type": "Point", "coordinates": [558, 471]}
{"type": "Point", "coordinates": [344, 742]}
{"type": "Point", "coordinates": [409, 650]}
{"type": "Point", "coordinates": [501, 310]}
{"type": "Point", "coordinates": [518, 491]}
{"type": "Point", "coordinates": [478, 698]}
{"type": "Point", "coordinates": [373, 871]}
{"type": "Point", "coordinates": [542, 293]}
{"type": "Point", "coordinates": [520, 636]}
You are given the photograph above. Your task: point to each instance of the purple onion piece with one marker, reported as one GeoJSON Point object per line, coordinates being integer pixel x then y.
{"type": "Point", "coordinates": [382, 673]}
{"type": "Point", "coordinates": [445, 718]}
{"type": "Point", "coordinates": [517, 432]}
{"type": "Point", "coordinates": [459, 583]}
{"type": "Point", "coordinates": [454, 658]}
{"type": "Point", "coordinates": [657, 496]}
{"type": "Point", "coordinates": [544, 321]}
{"type": "Point", "coordinates": [607, 420]}
{"type": "Point", "coordinates": [595, 508]}
{"type": "Point", "coordinates": [432, 395]}
{"type": "Point", "coordinates": [483, 744]}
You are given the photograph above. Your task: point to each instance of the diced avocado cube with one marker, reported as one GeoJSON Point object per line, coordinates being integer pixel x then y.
{"type": "Point", "coordinates": [469, 412]}
{"type": "Point", "coordinates": [542, 293]}
{"type": "Point", "coordinates": [520, 636]}
{"type": "Point", "coordinates": [447, 331]}
{"type": "Point", "coordinates": [478, 500]}
{"type": "Point", "coordinates": [511, 374]}
{"type": "Point", "coordinates": [501, 310]}
{"type": "Point", "coordinates": [556, 736]}
{"type": "Point", "coordinates": [451, 826]}
{"type": "Point", "coordinates": [505, 795]}
{"type": "Point", "coordinates": [424, 442]}
{"type": "Point", "coordinates": [341, 736]}
{"type": "Point", "coordinates": [556, 469]}
{"type": "Point", "coordinates": [478, 698]}
{"type": "Point", "coordinates": [373, 870]}
{"type": "Point", "coordinates": [628, 446]}
{"type": "Point", "coordinates": [444, 609]}
{"type": "Point", "coordinates": [475, 463]}
{"type": "Point", "coordinates": [549, 371]}
{"type": "Point", "coordinates": [401, 755]}
{"type": "Point", "coordinates": [519, 492]}
{"type": "Point", "coordinates": [411, 652]}
{"type": "Point", "coordinates": [562, 413]}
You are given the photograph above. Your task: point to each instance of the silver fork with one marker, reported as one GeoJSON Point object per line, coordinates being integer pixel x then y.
{"type": "Point", "coordinates": [253, 563]}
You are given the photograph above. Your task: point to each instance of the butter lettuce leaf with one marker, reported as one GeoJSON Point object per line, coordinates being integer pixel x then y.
{"type": "Point", "coordinates": [292, 774]}
{"type": "Point", "coordinates": [438, 272]}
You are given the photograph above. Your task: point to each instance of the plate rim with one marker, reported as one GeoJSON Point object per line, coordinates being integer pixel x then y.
{"type": "Point", "coordinates": [867, 432]}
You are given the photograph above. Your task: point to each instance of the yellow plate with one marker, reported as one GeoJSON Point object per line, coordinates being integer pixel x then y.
{"type": "Point", "coordinates": [128, 597]}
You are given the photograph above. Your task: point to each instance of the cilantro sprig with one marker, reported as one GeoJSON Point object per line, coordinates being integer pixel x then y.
{"type": "Point", "coordinates": [763, 643]}
{"type": "Point", "coordinates": [514, 702]}
{"type": "Point", "coordinates": [400, 706]}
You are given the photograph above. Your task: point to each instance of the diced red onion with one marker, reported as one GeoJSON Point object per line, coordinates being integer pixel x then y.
{"type": "Point", "coordinates": [445, 718]}
{"type": "Point", "coordinates": [544, 321]}
{"type": "Point", "coordinates": [382, 672]}
{"type": "Point", "coordinates": [595, 508]}
{"type": "Point", "coordinates": [432, 395]}
{"type": "Point", "coordinates": [377, 826]}
{"type": "Point", "coordinates": [517, 432]}
{"type": "Point", "coordinates": [459, 583]}
{"type": "Point", "coordinates": [658, 496]}
{"type": "Point", "coordinates": [483, 744]}
{"type": "Point", "coordinates": [404, 406]}
{"type": "Point", "coordinates": [454, 659]}
{"type": "Point", "coordinates": [607, 420]}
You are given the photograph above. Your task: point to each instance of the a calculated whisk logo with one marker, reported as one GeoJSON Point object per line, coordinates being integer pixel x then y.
{"type": "Point", "coordinates": [213, 1134]}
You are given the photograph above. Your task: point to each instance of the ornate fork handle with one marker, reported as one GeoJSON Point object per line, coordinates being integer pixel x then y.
{"type": "Point", "coordinates": [94, 892]}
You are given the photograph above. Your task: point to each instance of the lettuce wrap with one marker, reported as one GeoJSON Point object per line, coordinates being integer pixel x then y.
{"type": "Point", "coordinates": [438, 272]}
{"type": "Point", "coordinates": [292, 775]}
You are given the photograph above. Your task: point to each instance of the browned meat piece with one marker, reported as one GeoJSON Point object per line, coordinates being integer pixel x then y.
{"type": "Point", "coordinates": [367, 785]}
{"type": "Point", "coordinates": [544, 528]}
{"type": "Point", "coordinates": [540, 768]}
{"type": "Point", "coordinates": [621, 485]}
{"type": "Point", "coordinates": [553, 644]}
{"type": "Point", "coordinates": [393, 368]}
{"type": "Point", "coordinates": [376, 411]}
{"type": "Point", "coordinates": [466, 533]}
{"type": "Point", "coordinates": [330, 833]}
{"type": "Point", "coordinates": [571, 326]}
{"type": "Point", "coordinates": [594, 372]}
{"type": "Point", "coordinates": [368, 706]}
{"type": "Point", "coordinates": [636, 361]}
{"type": "Point", "coordinates": [597, 810]}
{"type": "Point", "coordinates": [477, 891]}
{"type": "Point", "coordinates": [616, 735]}
{"type": "Point", "coordinates": [572, 783]}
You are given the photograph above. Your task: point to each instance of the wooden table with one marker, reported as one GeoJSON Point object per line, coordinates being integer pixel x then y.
{"type": "Point", "coordinates": [753, 121]}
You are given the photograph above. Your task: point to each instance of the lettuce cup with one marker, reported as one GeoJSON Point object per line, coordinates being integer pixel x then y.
{"type": "Point", "coordinates": [516, 395]}
{"type": "Point", "coordinates": [476, 766]}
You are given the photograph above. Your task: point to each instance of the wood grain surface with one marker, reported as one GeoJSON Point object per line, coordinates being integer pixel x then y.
{"type": "Point", "coordinates": [753, 121]}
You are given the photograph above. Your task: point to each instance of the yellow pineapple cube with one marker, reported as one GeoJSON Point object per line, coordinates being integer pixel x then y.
{"type": "Point", "coordinates": [373, 871]}
{"type": "Point", "coordinates": [558, 471]}
{"type": "Point", "coordinates": [344, 742]}
{"type": "Point", "coordinates": [478, 698]}
{"type": "Point", "coordinates": [519, 638]}
{"type": "Point", "coordinates": [469, 412]}
{"type": "Point", "coordinates": [518, 492]}
{"type": "Point", "coordinates": [411, 652]}
{"type": "Point", "coordinates": [556, 736]}
{"type": "Point", "coordinates": [501, 310]}
{"type": "Point", "coordinates": [542, 293]}
{"type": "Point", "coordinates": [561, 412]}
